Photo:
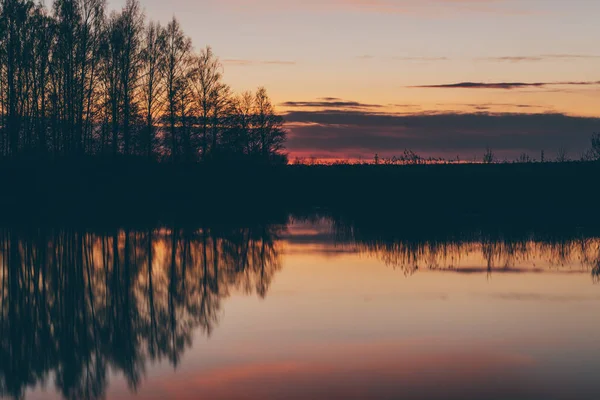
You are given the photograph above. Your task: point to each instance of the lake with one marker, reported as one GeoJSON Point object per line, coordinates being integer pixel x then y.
{"type": "Point", "coordinates": [310, 308]}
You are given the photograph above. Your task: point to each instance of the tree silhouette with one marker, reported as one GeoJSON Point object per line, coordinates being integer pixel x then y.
{"type": "Point", "coordinates": [176, 78]}
{"type": "Point", "coordinates": [207, 83]}
{"type": "Point", "coordinates": [152, 88]}
{"type": "Point", "coordinates": [488, 157]}
{"type": "Point", "coordinates": [595, 149]}
{"type": "Point", "coordinates": [76, 82]}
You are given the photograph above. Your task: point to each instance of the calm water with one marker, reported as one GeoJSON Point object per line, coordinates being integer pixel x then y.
{"type": "Point", "coordinates": [308, 310]}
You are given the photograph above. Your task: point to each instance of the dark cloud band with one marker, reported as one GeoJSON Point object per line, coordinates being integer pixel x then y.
{"type": "Point", "coordinates": [350, 133]}
{"type": "Point", "coordinates": [504, 85]}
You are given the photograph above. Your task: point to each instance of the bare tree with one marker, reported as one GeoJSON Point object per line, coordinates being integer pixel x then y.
{"type": "Point", "coordinates": [268, 126]}
{"type": "Point", "coordinates": [240, 128]}
{"type": "Point", "coordinates": [152, 85]}
{"type": "Point", "coordinates": [14, 17]}
{"type": "Point", "coordinates": [74, 82]}
{"type": "Point", "coordinates": [186, 110]}
{"type": "Point", "coordinates": [595, 149]}
{"type": "Point", "coordinates": [68, 61]}
{"type": "Point", "coordinates": [178, 48]}
{"type": "Point", "coordinates": [131, 25]}
{"type": "Point", "coordinates": [206, 83]}
{"type": "Point", "coordinates": [221, 108]}
{"type": "Point", "coordinates": [562, 156]}
{"type": "Point", "coordinates": [488, 157]}
{"type": "Point", "coordinates": [113, 48]}
{"type": "Point", "coordinates": [524, 158]}
{"type": "Point", "coordinates": [90, 38]}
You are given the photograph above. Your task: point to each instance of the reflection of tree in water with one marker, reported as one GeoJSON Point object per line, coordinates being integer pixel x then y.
{"type": "Point", "coordinates": [497, 255]}
{"type": "Point", "coordinates": [446, 249]}
{"type": "Point", "coordinates": [73, 304]}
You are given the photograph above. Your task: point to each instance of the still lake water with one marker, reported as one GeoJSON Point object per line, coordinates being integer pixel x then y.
{"type": "Point", "coordinates": [300, 311]}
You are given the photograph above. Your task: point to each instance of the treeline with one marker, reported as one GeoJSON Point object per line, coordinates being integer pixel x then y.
{"type": "Point", "coordinates": [75, 80]}
{"type": "Point", "coordinates": [475, 248]}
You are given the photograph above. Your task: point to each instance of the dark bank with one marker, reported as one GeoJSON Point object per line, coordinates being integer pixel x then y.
{"type": "Point", "coordinates": [129, 190]}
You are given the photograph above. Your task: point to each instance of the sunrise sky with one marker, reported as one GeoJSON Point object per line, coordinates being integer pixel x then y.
{"type": "Point", "coordinates": [359, 77]}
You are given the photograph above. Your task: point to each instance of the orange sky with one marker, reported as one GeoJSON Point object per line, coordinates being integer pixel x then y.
{"type": "Point", "coordinates": [375, 52]}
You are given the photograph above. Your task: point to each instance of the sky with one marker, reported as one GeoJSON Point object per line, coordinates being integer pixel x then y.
{"type": "Point", "coordinates": [441, 77]}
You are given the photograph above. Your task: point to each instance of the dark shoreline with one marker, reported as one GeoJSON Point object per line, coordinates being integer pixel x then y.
{"type": "Point", "coordinates": [137, 191]}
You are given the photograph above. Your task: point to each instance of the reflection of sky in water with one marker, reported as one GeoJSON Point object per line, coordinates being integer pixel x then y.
{"type": "Point", "coordinates": [344, 325]}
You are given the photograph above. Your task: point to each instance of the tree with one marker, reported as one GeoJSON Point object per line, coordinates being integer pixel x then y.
{"type": "Point", "coordinates": [152, 82]}
{"type": "Point", "coordinates": [562, 156]}
{"type": "Point", "coordinates": [178, 48]}
{"type": "Point", "coordinates": [15, 17]}
{"type": "Point", "coordinates": [221, 109]}
{"type": "Point", "coordinates": [488, 157]}
{"type": "Point", "coordinates": [69, 63]}
{"type": "Point", "coordinates": [524, 158]}
{"type": "Point", "coordinates": [207, 84]}
{"type": "Point", "coordinates": [595, 149]}
{"type": "Point", "coordinates": [3, 68]}
{"type": "Point", "coordinates": [131, 26]}
{"type": "Point", "coordinates": [113, 48]}
{"type": "Point", "coordinates": [269, 130]}
{"type": "Point", "coordinates": [90, 37]}
{"type": "Point", "coordinates": [237, 139]}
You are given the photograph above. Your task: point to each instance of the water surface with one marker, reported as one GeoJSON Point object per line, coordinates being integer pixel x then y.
{"type": "Point", "coordinates": [306, 310]}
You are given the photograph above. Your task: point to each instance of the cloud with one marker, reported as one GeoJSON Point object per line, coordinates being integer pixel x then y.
{"type": "Point", "coordinates": [490, 106]}
{"type": "Point", "coordinates": [480, 85]}
{"type": "Point", "coordinates": [420, 58]}
{"type": "Point", "coordinates": [406, 58]}
{"type": "Point", "coordinates": [246, 63]}
{"type": "Point", "coordinates": [405, 105]}
{"type": "Point", "coordinates": [337, 104]}
{"type": "Point", "coordinates": [359, 133]}
{"type": "Point", "coordinates": [509, 59]}
{"type": "Point", "coordinates": [538, 58]}
{"type": "Point", "coordinates": [329, 102]}
{"type": "Point", "coordinates": [503, 85]}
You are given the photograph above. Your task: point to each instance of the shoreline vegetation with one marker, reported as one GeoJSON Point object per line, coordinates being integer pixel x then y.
{"type": "Point", "coordinates": [133, 193]}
